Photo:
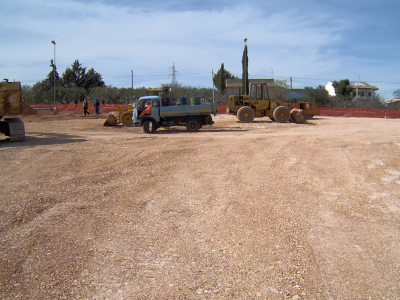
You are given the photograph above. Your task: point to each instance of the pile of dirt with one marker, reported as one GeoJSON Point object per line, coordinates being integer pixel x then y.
{"type": "Point", "coordinates": [27, 110]}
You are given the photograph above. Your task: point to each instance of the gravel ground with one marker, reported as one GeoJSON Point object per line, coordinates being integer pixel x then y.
{"type": "Point", "coordinates": [234, 211]}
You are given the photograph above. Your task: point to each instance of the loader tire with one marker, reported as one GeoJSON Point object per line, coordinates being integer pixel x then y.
{"type": "Point", "coordinates": [126, 118]}
{"type": "Point", "coordinates": [281, 114]}
{"type": "Point", "coordinates": [245, 114]}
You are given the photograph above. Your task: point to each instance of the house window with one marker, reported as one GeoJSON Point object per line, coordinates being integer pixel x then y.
{"type": "Point", "coordinates": [361, 94]}
{"type": "Point", "coordinates": [354, 94]}
{"type": "Point", "coordinates": [369, 94]}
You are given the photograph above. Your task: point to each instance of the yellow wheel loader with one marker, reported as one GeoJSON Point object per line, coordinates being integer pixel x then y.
{"type": "Point", "coordinates": [258, 105]}
{"type": "Point", "coordinates": [125, 115]}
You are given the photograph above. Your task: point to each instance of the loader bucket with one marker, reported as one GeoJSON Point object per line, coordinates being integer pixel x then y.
{"type": "Point", "coordinates": [297, 116]}
{"type": "Point", "coordinates": [111, 120]}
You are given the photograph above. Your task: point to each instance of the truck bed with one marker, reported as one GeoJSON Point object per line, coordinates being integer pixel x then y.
{"type": "Point", "coordinates": [187, 110]}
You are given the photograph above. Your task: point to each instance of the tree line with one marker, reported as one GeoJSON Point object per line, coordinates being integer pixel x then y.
{"type": "Point", "coordinates": [71, 86]}
{"type": "Point", "coordinates": [78, 82]}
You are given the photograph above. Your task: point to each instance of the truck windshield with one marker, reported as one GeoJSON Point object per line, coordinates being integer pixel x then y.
{"type": "Point", "coordinates": [145, 102]}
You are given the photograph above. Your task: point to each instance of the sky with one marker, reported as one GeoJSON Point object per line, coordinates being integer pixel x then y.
{"type": "Point", "coordinates": [311, 41]}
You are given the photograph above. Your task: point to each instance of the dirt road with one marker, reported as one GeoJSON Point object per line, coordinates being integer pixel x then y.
{"type": "Point", "coordinates": [235, 211]}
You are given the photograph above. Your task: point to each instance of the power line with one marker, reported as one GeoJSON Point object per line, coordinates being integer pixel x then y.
{"type": "Point", "coordinates": [157, 75]}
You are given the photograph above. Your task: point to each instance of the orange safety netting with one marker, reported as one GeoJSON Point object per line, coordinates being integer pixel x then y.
{"type": "Point", "coordinates": [104, 108]}
{"type": "Point", "coordinates": [360, 112]}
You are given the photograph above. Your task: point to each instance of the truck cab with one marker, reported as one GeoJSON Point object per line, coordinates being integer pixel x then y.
{"type": "Point", "coordinates": [146, 107]}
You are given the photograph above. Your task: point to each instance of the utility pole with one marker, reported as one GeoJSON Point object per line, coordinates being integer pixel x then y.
{"type": "Point", "coordinates": [291, 94]}
{"type": "Point", "coordinates": [132, 77]}
{"type": "Point", "coordinates": [357, 91]}
{"type": "Point", "coordinates": [212, 79]}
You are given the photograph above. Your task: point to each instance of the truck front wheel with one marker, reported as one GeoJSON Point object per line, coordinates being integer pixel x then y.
{"type": "Point", "coordinates": [149, 126]}
{"type": "Point", "coordinates": [193, 125]}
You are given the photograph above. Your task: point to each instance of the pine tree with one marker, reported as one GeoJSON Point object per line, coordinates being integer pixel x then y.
{"type": "Point", "coordinates": [222, 81]}
{"type": "Point", "coordinates": [50, 77]}
{"type": "Point", "coordinates": [221, 77]}
{"type": "Point", "coordinates": [245, 73]}
{"type": "Point", "coordinates": [343, 88]}
{"type": "Point", "coordinates": [76, 76]}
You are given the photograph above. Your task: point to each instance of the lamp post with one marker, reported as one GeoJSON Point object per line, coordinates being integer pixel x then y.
{"type": "Point", "coordinates": [54, 72]}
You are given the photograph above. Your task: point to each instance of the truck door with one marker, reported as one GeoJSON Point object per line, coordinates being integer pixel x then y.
{"type": "Point", "coordinates": [155, 109]}
{"type": "Point", "coordinates": [144, 108]}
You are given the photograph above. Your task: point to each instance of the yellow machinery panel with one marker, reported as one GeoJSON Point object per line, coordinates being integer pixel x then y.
{"type": "Point", "coordinates": [10, 98]}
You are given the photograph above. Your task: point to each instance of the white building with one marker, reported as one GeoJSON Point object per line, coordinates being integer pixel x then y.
{"type": "Point", "coordinates": [394, 103]}
{"type": "Point", "coordinates": [361, 90]}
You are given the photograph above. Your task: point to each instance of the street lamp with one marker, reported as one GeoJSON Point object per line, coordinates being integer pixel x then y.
{"type": "Point", "coordinates": [54, 71]}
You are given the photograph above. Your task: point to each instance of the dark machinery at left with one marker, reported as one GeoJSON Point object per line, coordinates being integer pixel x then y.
{"type": "Point", "coordinates": [11, 105]}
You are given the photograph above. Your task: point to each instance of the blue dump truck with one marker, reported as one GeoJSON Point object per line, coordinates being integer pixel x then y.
{"type": "Point", "coordinates": [151, 114]}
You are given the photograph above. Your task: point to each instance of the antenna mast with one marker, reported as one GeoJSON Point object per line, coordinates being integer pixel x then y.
{"type": "Point", "coordinates": [174, 82]}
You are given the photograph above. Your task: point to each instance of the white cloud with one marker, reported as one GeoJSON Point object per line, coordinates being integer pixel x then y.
{"type": "Point", "coordinates": [114, 39]}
